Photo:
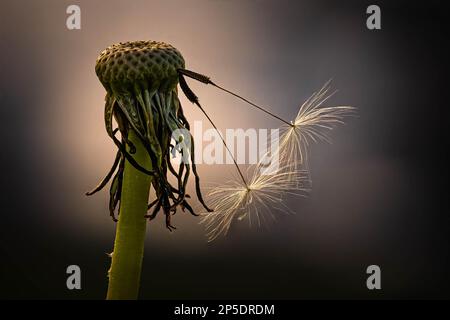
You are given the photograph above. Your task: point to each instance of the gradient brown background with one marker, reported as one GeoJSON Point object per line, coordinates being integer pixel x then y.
{"type": "Point", "coordinates": [379, 190]}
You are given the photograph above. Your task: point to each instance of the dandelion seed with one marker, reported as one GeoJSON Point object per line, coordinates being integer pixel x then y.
{"type": "Point", "coordinates": [257, 201]}
{"type": "Point", "coordinates": [265, 191]}
{"type": "Point", "coordinates": [311, 125]}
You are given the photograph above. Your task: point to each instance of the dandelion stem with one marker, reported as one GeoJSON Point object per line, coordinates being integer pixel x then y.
{"type": "Point", "coordinates": [125, 272]}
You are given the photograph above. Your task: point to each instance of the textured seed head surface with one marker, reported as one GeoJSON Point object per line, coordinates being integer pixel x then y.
{"type": "Point", "coordinates": [150, 62]}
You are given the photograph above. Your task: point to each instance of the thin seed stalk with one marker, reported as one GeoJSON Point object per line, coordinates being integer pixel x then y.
{"type": "Point", "coordinates": [125, 272]}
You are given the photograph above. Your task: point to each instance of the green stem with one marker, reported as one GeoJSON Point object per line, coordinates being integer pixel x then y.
{"type": "Point", "coordinates": [125, 272]}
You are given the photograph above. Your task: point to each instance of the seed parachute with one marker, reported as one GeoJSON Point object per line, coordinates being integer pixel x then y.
{"type": "Point", "coordinates": [287, 173]}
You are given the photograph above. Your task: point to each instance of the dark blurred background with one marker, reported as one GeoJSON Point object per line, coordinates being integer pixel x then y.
{"type": "Point", "coordinates": [380, 190]}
